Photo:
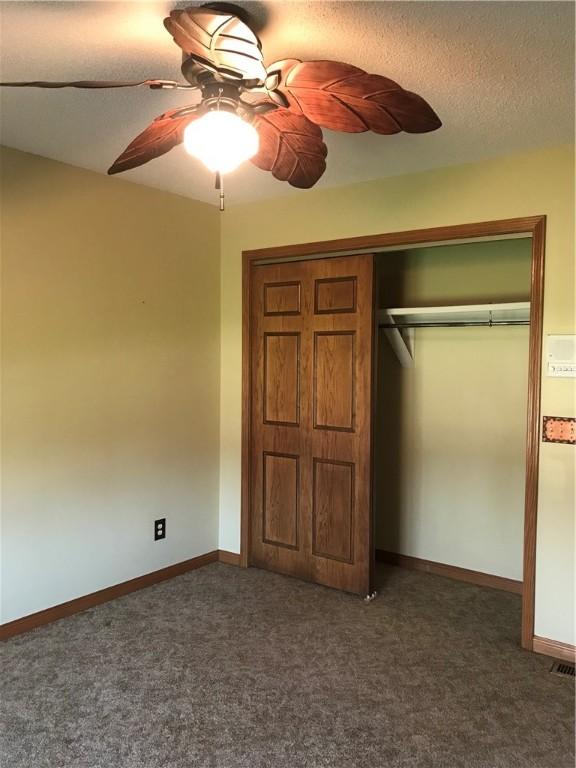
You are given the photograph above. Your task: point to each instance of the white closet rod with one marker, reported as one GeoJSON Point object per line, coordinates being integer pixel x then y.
{"type": "Point", "coordinates": [455, 324]}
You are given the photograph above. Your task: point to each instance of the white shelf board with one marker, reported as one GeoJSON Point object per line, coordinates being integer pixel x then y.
{"type": "Point", "coordinates": [402, 339]}
{"type": "Point", "coordinates": [469, 313]}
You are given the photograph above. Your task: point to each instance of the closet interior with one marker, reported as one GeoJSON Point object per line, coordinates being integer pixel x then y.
{"type": "Point", "coordinates": [451, 405]}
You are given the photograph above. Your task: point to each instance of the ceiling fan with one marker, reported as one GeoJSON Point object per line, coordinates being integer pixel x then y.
{"type": "Point", "coordinates": [272, 115]}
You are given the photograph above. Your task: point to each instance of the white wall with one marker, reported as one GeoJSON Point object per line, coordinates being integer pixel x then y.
{"type": "Point", "coordinates": [110, 381]}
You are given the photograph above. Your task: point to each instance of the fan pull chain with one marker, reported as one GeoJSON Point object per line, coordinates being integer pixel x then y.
{"type": "Point", "coordinates": [219, 179]}
{"type": "Point", "coordinates": [219, 184]}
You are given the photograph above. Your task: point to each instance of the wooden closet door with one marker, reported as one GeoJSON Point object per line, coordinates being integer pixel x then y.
{"type": "Point", "coordinates": [311, 380]}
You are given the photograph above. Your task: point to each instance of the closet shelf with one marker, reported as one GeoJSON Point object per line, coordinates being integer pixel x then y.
{"type": "Point", "coordinates": [514, 311]}
{"type": "Point", "coordinates": [399, 323]}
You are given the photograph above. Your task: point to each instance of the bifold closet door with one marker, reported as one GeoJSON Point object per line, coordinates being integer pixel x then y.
{"type": "Point", "coordinates": [311, 384]}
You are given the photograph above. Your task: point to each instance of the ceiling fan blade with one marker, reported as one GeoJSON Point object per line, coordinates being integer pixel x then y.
{"type": "Point", "coordinates": [164, 133]}
{"type": "Point", "coordinates": [291, 147]}
{"type": "Point", "coordinates": [341, 97]}
{"type": "Point", "coordinates": [219, 40]}
{"type": "Point", "coordinates": [97, 84]}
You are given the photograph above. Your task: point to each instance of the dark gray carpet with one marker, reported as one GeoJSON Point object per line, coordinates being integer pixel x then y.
{"type": "Point", "coordinates": [224, 668]}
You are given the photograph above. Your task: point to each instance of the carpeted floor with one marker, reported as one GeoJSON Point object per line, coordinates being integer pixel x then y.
{"type": "Point", "coordinates": [226, 668]}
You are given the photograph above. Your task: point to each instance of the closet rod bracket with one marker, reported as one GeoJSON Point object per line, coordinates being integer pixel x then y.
{"type": "Point", "coordinates": [401, 340]}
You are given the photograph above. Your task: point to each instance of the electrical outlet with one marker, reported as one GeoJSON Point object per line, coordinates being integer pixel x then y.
{"type": "Point", "coordinates": [160, 529]}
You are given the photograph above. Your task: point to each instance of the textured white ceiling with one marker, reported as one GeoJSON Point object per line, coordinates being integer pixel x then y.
{"type": "Point", "coordinates": [499, 74]}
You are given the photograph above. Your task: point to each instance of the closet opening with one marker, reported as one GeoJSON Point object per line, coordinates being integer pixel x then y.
{"type": "Point", "coordinates": [451, 360]}
{"type": "Point", "coordinates": [434, 466]}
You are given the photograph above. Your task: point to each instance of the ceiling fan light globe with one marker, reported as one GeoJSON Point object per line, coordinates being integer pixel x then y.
{"type": "Point", "coordinates": [221, 140]}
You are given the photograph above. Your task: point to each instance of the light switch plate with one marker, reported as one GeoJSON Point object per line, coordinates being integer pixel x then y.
{"type": "Point", "coordinates": [561, 356]}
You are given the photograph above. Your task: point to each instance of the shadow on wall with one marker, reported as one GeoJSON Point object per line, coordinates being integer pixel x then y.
{"type": "Point", "coordinates": [28, 172]}
{"type": "Point", "coordinates": [389, 446]}
{"type": "Point", "coordinates": [388, 439]}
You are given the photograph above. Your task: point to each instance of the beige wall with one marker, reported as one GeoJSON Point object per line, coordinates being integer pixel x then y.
{"type": "Point", "coordinates": [456, 274]}
{"type": "Point", "coordinates": [450, 449]}
{"type": "Point", "coordinates": [110, 310]}
{"type": "Point", "coordinates": [521, 185]}
{"type": "Point", "coordinates": [450, 432]}
{"type": "Point", "coordinates": [110, 351]}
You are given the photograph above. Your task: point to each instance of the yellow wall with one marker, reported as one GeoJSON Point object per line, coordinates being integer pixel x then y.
{"type": "Point", "coordinates": [111, 341]}
{"type": "Point", "coordinates": [110, 310]}
{"type": "Point", "coordinates": [450, 431]}
{"type": "Point", "coordinates": [468, 273]}
{"type": "Point", "coordinates": [521, 185]}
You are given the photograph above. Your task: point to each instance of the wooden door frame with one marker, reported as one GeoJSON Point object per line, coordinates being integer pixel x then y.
{"type": "Point", "coordinates": [534, 226]}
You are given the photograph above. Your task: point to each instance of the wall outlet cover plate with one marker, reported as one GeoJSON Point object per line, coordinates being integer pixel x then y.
{"type": "Point", "coordinates": [160, 529]}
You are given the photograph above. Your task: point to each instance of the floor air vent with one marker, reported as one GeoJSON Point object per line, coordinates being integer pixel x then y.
{"type": "Point", "coordinates": [564, 668]}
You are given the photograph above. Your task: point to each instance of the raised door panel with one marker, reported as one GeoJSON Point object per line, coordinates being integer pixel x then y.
{"type": "Point", "coordinates": [282, 298]}
{"type": "Point", "coordinates": [280, 504]}
{"type": "Point", "coordinates": [334, 373]}
{"type": "Point", "coordinates": [333, 510]}
{"type": "Point", "coordinates": [334, 294]}
{"type": "Point", "coordinates": [282, 378]}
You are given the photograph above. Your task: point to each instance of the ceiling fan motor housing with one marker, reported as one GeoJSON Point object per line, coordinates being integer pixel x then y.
{"type": "Point", "coordinates": [193, 70]}
{"type": "Point", "coordinates": [217, 95]}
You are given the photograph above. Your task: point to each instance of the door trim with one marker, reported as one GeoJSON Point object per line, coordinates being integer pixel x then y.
{"type": "Point", "coordinates": [534, 226]}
